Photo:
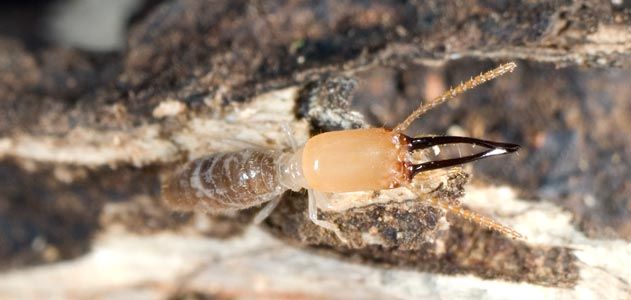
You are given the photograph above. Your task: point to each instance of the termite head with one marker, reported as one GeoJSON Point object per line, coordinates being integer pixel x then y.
{"type": "Point", "coordinates": [446, 151]}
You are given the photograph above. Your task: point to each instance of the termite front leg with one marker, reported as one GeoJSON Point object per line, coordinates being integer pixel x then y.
{"type": "Point", "coordinates": [313, 216]}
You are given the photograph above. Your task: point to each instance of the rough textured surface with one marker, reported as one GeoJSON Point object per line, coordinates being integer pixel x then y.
{"type": "Point", "coordinates": [412, 235]}
{"type": "Point", "coordinates": [257, 265]}
{"type": "Point", "coordinates": [85, 138]}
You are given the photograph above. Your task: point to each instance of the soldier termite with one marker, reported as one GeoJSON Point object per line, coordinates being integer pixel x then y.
{"type": "Point", "coordinates": [332, 162]}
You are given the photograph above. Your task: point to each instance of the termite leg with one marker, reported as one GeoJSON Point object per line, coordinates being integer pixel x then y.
{"type": "Point", "coordinates": [266, 211]}
{"type": "Point", "coordinates": [313, 215]}
{"type": "Point", "coordinates": [269, 207]}
{"type": "Point", "coordinates": [470, 215]}
{"type": "Point", "coordinates": [289, 135]}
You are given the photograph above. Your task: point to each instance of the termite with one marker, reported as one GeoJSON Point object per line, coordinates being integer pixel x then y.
{"type": "Point", "coordinates": [332, 162]}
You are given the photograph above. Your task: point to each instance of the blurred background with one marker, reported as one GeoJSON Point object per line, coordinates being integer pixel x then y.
{"type": "Point", "coordinates": [84, 24]}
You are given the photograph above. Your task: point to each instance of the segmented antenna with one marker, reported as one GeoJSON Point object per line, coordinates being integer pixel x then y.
{"type": "Point", "coordinates": [453, 92]}
{"type": "Point", "coordinates": [470, 215]}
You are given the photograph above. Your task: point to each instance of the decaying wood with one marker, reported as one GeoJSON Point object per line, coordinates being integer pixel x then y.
{"type": "Point", "coordinates": [257, 265]}
{"type": "Point", "coordinates": [85, 139]}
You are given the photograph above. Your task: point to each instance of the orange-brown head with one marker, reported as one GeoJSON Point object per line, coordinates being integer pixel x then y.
{"type": "Point", "coordinates": [353, 160]}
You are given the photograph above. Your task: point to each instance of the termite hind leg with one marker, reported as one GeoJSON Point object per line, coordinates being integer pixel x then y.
{"type": "Point", "coordinates": [313, 215]}
{"type": "Point", "coordinates": [472, 216]}
{"type": "Point", "coordinates": [266, 211]}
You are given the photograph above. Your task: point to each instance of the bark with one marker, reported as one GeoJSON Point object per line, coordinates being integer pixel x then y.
{"type": "Point", "coordinates": [85, 139]}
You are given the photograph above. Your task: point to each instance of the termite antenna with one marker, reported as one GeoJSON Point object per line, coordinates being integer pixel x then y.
{"type": "Point", "coordinates": [470, 215]}
{"type": "Point", "coordinates": [453, 92]}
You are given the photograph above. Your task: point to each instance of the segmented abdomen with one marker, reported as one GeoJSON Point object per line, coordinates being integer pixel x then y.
{"type": "Point", "coordinates": [225, 182]}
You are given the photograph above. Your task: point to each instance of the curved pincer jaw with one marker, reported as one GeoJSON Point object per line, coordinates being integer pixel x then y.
{"type": "Point", "coordinates": [490, 149]}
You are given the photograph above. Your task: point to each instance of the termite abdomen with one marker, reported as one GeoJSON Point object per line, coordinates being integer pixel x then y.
{"type": "Point", "coordinates": [225, 182]}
